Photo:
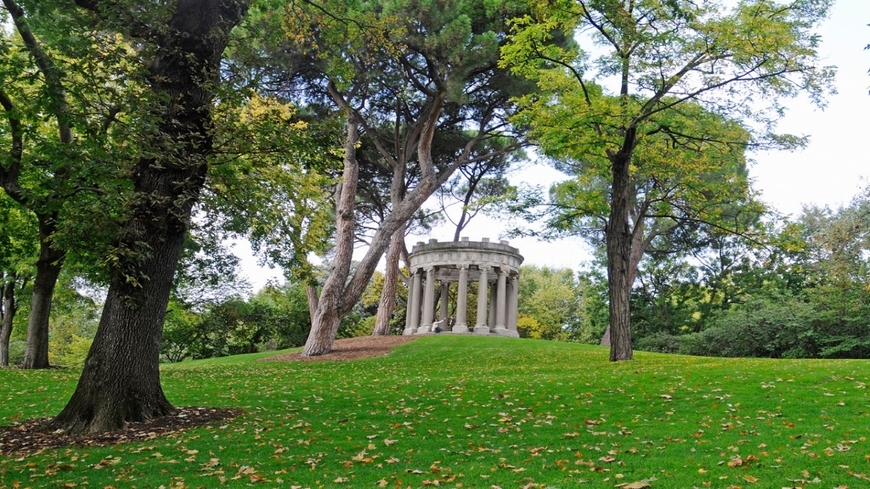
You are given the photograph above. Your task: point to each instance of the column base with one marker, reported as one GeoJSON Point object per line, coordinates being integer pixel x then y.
{"type": "Point", "coordinates": [460, 328]}
{"type": "Point", "coordinates": [481, 329]}
{"type": "Point", "coordinates": [409, 331]}
{"type": "Point", "coordinates": [509, 333]}
{"type": "Point", "coordinates": [426, 328]}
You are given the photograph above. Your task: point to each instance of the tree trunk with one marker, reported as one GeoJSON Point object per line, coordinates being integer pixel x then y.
{"type": "Point", "coordinates": [7, 314]}
{"type": "Point", "coordinates": [639, 245]}
{"type": "Point", "coordinates": [48, 268]}
{"type": "Point", "coordinates": [391, 282]}
{"type": "Point", "coordinates": [121, 377]}
{"type": "Point", "coordinates": [387, 304]}
{"type": "Point", "coordinates": [340, 294]}
{"type": "Point", "coordinates": [618, 242]}
{"type": "Point", "coordinates": [328, 314]}
{"type": "Point", "coordinates": [313, 300]}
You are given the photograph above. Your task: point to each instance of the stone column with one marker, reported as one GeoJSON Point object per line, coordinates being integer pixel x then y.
{"type": "Point", "coordinates": [513, 306]}
{"type": "Point", "coordinates": [412, 321]}
{"type": "Point", "coordinates": [407, 330]}
{"type": "Point", "coordinates": [462, 301]}
{"type": "Point", "coordinates": [481, 327]}
{"type": "Point", "coordinates": [493, 299]}
{"type": "Point", "coordinates": [445, 293]}
{"type": "Point", "coordinates": [428, 302]}
{"type": "Point", "coordinates": [501, 302]}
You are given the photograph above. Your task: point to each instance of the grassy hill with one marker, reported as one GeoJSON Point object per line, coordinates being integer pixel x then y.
{"type": "Point", "coordinates": [479, 413]}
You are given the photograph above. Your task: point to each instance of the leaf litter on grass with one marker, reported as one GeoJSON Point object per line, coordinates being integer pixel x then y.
{"type": "Point", "coordinates": [535, 413]}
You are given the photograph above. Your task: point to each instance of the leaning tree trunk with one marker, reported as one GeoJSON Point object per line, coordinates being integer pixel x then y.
{"type": "Point", "coordinates": [327, 316]}
{"type": "Point", "coordinates": [387, 304]}
{"type": "Point", "coordinates": [121, 377]}
{"type": "Point", "coordinates": [8, 310]}
{"type": "Point", "coordinates": [618, 242]}
{"type": "Point", "coordinates": [391, 285]}
{"type": "Point", "coordinates": [48, 268]}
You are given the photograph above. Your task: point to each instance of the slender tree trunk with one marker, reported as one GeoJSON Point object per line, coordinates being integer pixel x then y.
{"type": "Point", "coordinates": [48, 268]}
{"type": "Point", "coordinates": [7, 313]}
{"type": "Point", "coordinates": [639, 245]}
{"type": "Point", "coordinates": [121, 377]}
{"type": "Point", "coordinates": [340, 294]}
{"type": "Point", "coordinates": [391, 281]}
{"type": "Point", "coordinates": [618, 242]}
{"type": "Point", "coordinates": [387, 304]}
{"type": "Point", "coordinates": [327, 316]}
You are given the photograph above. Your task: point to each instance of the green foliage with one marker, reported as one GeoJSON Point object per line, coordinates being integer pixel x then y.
{"type": "Point", "coordinates": [774, 327]}
{"type": "Point", "coordinates": [651, 119]}
{"type": "Point", "coordinates": [804, 294]}
{"type": "Point", "coordinates": [276, 181]}
{"type": "Point", "coordinates": [546, 413]}
{"type": "Point", "coordinates": [274, 318]}
{"type": "Point", "coordinates": [74, 319]}
{"type": "Point", "coordinates": [549, 302]}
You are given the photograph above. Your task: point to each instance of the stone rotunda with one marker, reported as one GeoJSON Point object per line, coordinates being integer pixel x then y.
{"type": "Point", "coordinates": [495, 267]}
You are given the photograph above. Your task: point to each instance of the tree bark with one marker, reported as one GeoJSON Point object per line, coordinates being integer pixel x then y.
{"type": "Point", "coordinates": [48, 268]}
{"type": "Point", "coordinates": [387, 304]}
{"type": "Point", "coordinates": [618, 241]}
{"type": "Point", "coordinates": [391, 282]}
{"type": "Point", "coordinates": [7, 314]}
{"type": "Point", "coordinates": [328, 314]}
{"type": "Point", "coordinates": [639, 244]}
{"type": "Point", "coordinates": [313, 299]}
{"type": "Point", "coordinates": [121, 377]}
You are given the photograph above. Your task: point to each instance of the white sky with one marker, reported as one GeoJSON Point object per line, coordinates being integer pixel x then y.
{"type": "Point", "coordinates": [829, 171]}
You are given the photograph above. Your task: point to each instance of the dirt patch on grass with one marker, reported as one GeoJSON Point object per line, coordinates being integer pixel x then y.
{"type": "Point", "coordinates": [31, 436]}
{"type": "Point", "coordinates": [350, 349]}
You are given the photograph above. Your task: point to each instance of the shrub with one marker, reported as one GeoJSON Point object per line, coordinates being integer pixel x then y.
{"type": "Point", "coordinates": [660, 342]}
{"type": "Point", "coordinates": [773, 327]}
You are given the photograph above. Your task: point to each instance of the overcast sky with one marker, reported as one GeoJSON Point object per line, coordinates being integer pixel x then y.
{"type": "Point", "coordinates": [829, 171]}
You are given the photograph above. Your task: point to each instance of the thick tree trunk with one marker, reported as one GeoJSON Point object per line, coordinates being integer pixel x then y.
{"type": "Point", "coordinates": [48, 268]}
{"type": "Point", "coordinates": [618, 242]}
{"type": "Point", "coordinates": [329, 308]}
{"type": "Point", "coordinates": [391, 281]}
{"type": "Point", "coordinates": [7, 315]}
{"type": "Point", "coordinates": [121, 377]}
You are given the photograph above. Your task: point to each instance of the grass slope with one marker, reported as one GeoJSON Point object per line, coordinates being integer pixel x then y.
{"type": "Point", "coordinates": [479, 413]}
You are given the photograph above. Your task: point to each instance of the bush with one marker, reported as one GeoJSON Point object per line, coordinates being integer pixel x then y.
{"type": "Point", "coordinates": [776, 327]}
{"type": "Point", "coordinates": [660, 342]}
{"type": "Point", "coordinates": [16, 351]}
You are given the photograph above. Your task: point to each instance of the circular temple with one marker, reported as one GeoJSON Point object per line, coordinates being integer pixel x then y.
{"type": "Point", "coordinates": [494, 267]}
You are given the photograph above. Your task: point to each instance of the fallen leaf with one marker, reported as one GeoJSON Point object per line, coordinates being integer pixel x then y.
{"type": "Point", "coordinates": [636, 485]}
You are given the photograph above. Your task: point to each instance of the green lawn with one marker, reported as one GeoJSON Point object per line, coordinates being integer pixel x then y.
{"type": "Point", "coordinates": [480, 413]}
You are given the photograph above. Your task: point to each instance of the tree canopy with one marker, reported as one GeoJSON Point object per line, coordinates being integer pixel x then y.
{"type": "Point", "coordinates": [637, 83]}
